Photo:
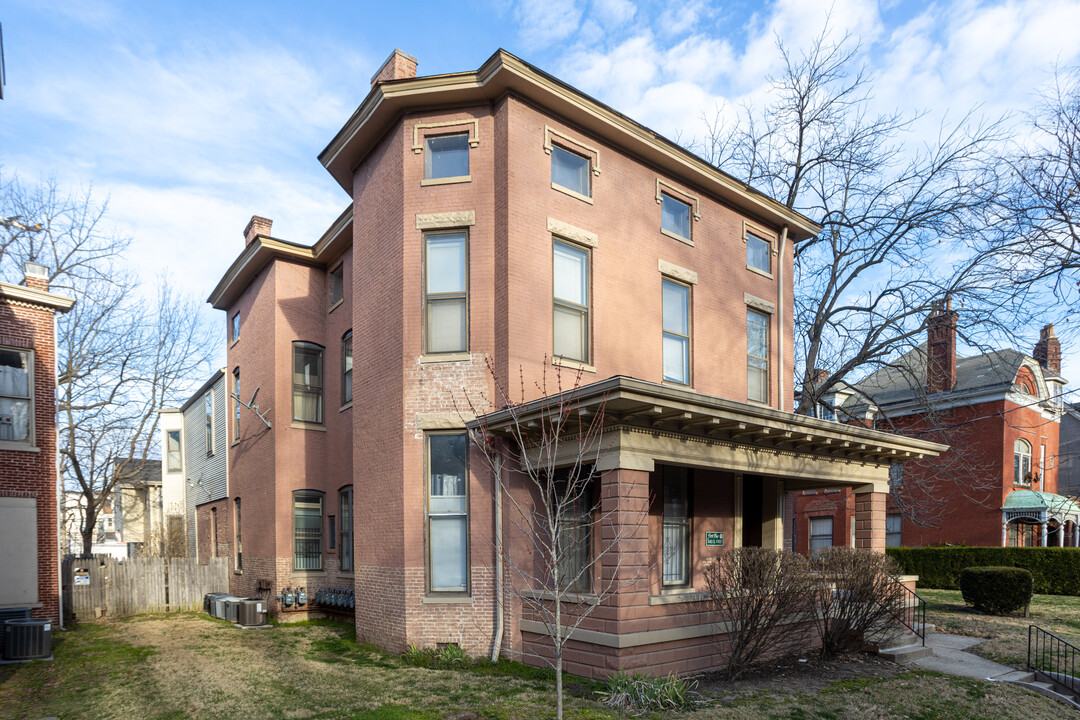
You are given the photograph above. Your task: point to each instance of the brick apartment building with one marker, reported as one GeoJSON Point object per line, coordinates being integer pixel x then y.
{"type": "Point", "coordinates": [501, 215]}
{"type": "Point", "coordinates": [1000, 413]}
{"type": "Point", "coordinates": [29, 495]}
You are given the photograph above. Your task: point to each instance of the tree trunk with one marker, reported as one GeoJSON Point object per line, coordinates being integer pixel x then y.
{"type": "Point", "coordinates": [558, 682]}
{"type": "Point", "coordinates": [88, 528]}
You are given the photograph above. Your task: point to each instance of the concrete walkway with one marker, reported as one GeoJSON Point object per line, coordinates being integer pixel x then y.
{"type": "Point", "coordinates": [950, 658]}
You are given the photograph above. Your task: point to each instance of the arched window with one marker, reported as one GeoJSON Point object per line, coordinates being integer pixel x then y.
{"type": "Point", "coordinates": [1022, 462]}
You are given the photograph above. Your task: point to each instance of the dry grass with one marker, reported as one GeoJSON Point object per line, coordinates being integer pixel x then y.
{"type": "Point", "coordinates": [1009, 633]}
{"type": "Point", "coordinates": [191, 667]}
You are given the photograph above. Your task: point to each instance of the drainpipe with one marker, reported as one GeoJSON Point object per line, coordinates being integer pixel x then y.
{"type": "Point", "coordinates": [780, 332]}
{"type": "Point", "coordinates": [497, 471]}
{"type": "Point", "coordinates": [59, 479]}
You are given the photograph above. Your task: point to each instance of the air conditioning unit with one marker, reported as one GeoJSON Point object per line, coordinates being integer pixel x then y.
{"type": "Point", "coordinates": [232, 608]}
{"type": "Point", "coordinates": [252, 611]}
{"type": "Point", "coordinates": [220, 609]}
{"type": "Point", "coordinates": [10, 614]}
{"type": "Point", "coordinates": [27, 639]}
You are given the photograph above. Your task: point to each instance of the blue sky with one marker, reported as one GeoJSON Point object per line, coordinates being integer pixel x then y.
{"type": "Point", "coordinates": [190, 117]}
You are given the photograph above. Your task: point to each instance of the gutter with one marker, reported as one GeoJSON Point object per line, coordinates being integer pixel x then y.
{"type": "Point", "coordinates": [780, 331]}
{"type": "Point", "coordinates": [499, 600]}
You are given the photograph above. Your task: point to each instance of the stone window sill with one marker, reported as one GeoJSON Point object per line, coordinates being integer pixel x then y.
{"type": "Point", "coordinates": [680, 596]}
{"type": "Point", "coordinates": [572, 364]}
{"type": "Point", "coordinates": [19, 447]}
{"type": "Point", "coordinates": [448, 599]}
{"type": "Point", "coordinates": [676, 236]}
{"type": "Point", "coordinates": [571, 193]}
{"type": "Point", "coordinates": [578, 598]}
{"type": "Point", "coordinates": [445, 357]}
{"type": "Point", "coordinates": [446, 181]}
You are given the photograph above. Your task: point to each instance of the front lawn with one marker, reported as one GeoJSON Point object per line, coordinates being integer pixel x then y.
{"type": "Point", "coordinates": [1060, 614]}
{"type": "Point", "coordinates": [187, 666]}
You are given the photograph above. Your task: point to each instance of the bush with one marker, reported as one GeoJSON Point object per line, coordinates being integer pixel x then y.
{"type": "Point", "coordinates": [644, 693]}
{"type": "Point", "coordinates": [1055, 571]}
{"type": "Point", "coordinates": [997, 590]}
{"type": "Point", "coordinates": [448, 657]}
{"type": "Point", "coordinates": [858, 596]}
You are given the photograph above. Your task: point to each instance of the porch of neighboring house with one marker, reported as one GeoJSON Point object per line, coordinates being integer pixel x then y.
{"type": "Point", "coordinates": [1031, 518]}
{"type": "Point", "coordinates": [685, 476]}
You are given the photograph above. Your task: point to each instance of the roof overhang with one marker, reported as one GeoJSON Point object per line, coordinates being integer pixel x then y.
{"type": "Point", "coordinates": [504, 73]}
{"type": "Point", "coordinates": [23, 294]}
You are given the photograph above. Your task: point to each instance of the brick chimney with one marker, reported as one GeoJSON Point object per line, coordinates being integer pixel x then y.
{"type": "Point", "coordinates": [1048, 350]}
{"type": "Point", "coordinates": [941, 348]}
{"type": "Point", "coordinates": [37, 276]}
{"type": "Point", "coordinates": [398, 66]}
{"type": "Point", "coordinates": [255, 227]}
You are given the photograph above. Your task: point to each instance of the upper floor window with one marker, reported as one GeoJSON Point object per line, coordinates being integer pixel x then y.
{"type": "Point", "coordinates": [570, 171]}
{"type": "Point", "coordinates": [570, 324]}
{"type": "Point", "coordinates": [446, 293]}
{"type": "Point", "coordinates": [174, 458]}
{"type": "Point", "coordinates": [757, 356]}
{"type": "Point", "coordinates": [337, 284]}
{"type": "Point", "coordinates": [307, 382]}
{"type": "Point", "coordinates": [758, 253]}
{"type": "Point", "coordinates": [16, 395]}
{"type": "Point", "coordinates": [208, 412]}
{"type": "Point", "coordinates": [448, 512]}
{"type": "Point", "coordinates": [676, 300]}
{"type": "Point", "coordinates": [1022, 462]}
{"type": "Point", "coordinates": [235, 327]}
{"type": "Point", "coordinates": [236, 403]}
{"type": "Point", "coordinates": [824, 411]}
{"type": "Point", "coordinates": [446, 156]}
{"type": "Point", "coordinates": [346, 368]}
{"type": "Point", "coordinates": [674, 216]}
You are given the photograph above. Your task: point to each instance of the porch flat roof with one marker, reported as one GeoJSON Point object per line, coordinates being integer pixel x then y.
{"type": "Point", "coordinates": [627, 400]}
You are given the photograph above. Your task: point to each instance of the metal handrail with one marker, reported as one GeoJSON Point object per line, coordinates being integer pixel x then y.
{"type": "Point", "coordinates": [1053, 658]}
{"type": "Point", "coordinates": [915, 610]}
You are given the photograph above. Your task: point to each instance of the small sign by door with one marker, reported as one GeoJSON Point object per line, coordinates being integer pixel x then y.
{"type": "Point", "coordinates": [82, 576]}
{"type": "Point", "coordinates": [714, 539]}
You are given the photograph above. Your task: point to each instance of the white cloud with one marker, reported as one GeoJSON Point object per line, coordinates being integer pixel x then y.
{"type": "Point", "coordinates": [613, 13]}
{"type": "Point", "coordinates": [542, 23]}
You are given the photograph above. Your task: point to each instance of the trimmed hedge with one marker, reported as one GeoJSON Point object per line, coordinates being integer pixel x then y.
{"type": "Point", "coordinates": [1056, 571]}
{"type": "Point", "coordinates": [996, 590]}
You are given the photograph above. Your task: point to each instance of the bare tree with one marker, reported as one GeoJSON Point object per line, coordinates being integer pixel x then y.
{"type": "Point", "coordinates": [557, 504]}
{"type": "Point", "coordinates": [120, 357]}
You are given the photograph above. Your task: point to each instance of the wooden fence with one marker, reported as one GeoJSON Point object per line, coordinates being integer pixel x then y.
{"type": "Point", "coordinates": [103, 586]}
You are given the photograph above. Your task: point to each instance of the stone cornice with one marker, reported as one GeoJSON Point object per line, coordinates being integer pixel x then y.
{"type": "Point", "coordinates": [20, 294]}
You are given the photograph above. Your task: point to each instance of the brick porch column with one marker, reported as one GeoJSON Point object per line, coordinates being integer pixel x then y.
{"type": "Point", "coordinates": [624, 506]}
{"type": "Point", "coordinates": [870, 520]}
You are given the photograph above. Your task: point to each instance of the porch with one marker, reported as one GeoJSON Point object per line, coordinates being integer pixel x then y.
{"type": "Point", "coordinates": [1030, 518]}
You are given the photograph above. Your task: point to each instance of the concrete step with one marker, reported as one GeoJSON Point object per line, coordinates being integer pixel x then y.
{"type": "Point", "coordinates": [906, 653]}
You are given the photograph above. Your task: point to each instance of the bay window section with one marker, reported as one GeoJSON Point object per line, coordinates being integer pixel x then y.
{"type": "Point", "coordinates": [446, 156]}
{"type": "Point", "coordinates": [570, 171]}
{"type": "Point", "coordinates": [570, 323]}
{"type": "Point", "coordinates": [448, 512]}
{"type": "Point", "coordinates": [676, 540]}
{"type": "Point", "coordinates": [757, 356]}
{"type": "Point", "coordinates": [307, 530]}
{"type": "Point", "coordinates": [307, 382]}
{"type": "Point", "coordinates": [446, 293]}
{"type": "Point", "coordinates": [676, 311]}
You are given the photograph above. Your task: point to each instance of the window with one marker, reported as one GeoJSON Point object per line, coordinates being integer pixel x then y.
{"type": "Point", "coordinates": [208, 411]}
{"type": "Point", "coordinates": [570, 324]}
{"type": "Point", "coordinates": [16, 381]}
{"type": "Point", "coordinates": [570, 171]}
{"type": "Point", "coordinates": [345, 511]}
{"type": "Point", "coordinates": [174, 458]}
{"type": "Point", "coordinates": [574, 545]}
{"type": "Point", "coordinates": [331, 531]}
{"type": "Point", "coordinates": [757, 356]}
{"type": "Point", "coordinates": [1042, 462]}
{"type": "Point", "coordinates": [893, 524]}
{"type": "Point", "coordinates": [346, 368]}
{"type": "Point", "coordinates": [239, 544]}
{"type": "Point", "coordinates": [824, 411]}
{"type": "Point", "coordinates": [337, 284]}
{"type": "Point", "coordinates": [674, 216]}
{"type": "Point", "coordinates": [307, 382]}
{"type": "Point", "coordinates": [446, 293]}
{"type": "Point", "coordinates": [820, 534]}
{"type": "Point", "coordinates": [236, 403]}
{"type": "Point", "coordinates": [758, 253]}
{"type": "Point", "coordinates": [448, 512]}
{"type": "Point", "coordinates": [236, 327]}
{"type": "Point", "coordinates": [446, 156]}
{"type": "Point", "coordinates": [676, 332]}
{"type": "Point", "coordinates": [213, 532]}
{"type": "Point", "coordinates": [1022, 462]}
{"type": "Point", "coordinates": [676, 526]}
{"type": "Point", "coordinates": [307, 530]}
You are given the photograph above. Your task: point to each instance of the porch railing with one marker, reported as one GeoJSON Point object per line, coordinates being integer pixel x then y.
{"type": "Point", "coordinates": [1053, 658]}
{"type": "Point", "coordinates": [912, 614]}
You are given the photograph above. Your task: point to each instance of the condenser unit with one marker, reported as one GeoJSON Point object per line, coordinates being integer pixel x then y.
{"type": "Point", "coordinates": [27, 639]}
{"type": "Point", "coordinates": [232, 608]}
{"type": "Point", "coordinates": [11, 614]}
{"type": "Point", "coordinates": [220, 606]}
{"type": "Point", "coordinates": [252, 611]}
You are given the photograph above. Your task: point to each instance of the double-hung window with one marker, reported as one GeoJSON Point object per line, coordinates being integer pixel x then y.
{"type": "Point", "coordinates": [570, 171]}
{"type": "Point", "coordinates": [307, 530]}
{"type": "Point", "coordinates": [446, 293]}
{"type": "Point", "coordinates": [757, 356]}
{"type": "Point", "coordinates": [676, 541]}
{"type": "Point", "coordinates": [446, 156]}
{"type": "Point", "coordinates": [346, 368]}
{"type": "Point", "coordinates": [235, 327]}
{"type": "Point", "coordinates": [676, 300]}
{"type": "Point", "coordinates": [893, 525]}
{"type": "Point", "coordinates": [239, 544]}
{"type": "Point", "coordinates": [337, 284]}
{"type": "Point", "coordinates": [821, 534]}
{"type": "Point", "coordinates": [307, 382]}
{"type": "Point", "coordinates": [345, 511]}
{"type": "Point", "coordinates": [16, 395]}
{"type": "Point", "coordinates": [448, 512]}
{"type": "Point", "coordinates": [208, 411]}
{"type": "Point", "coordinates": [674, 216]}
{"type": "Point", "coordinates": [574, 542]}
{"type": "Point", "coordinates": [175, 458]}
{"type": "Point", "coordinates": [758, 253]}
{"type": "Point", "coordinates": [236, 403]}
{"type": "Point", "coordinates": [1022, 462]}
{"type": "Point", "coordinates": [570, 323]}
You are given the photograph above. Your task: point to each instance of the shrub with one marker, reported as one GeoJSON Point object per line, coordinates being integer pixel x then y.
{"type": "Point", "coordinates": [858, 596]}
{"type": "Point", "coordinates": [761, 595]}
{"type": "Point", "coordinates": [446, 657]}
{"type": "Point", "coordinates": [1056, 571]}
{"type": "Point", "coordinates": [643, 693]}
{"type": "Point", "coordinates": [997, 590]}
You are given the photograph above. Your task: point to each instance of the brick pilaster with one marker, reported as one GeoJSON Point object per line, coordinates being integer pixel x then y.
{"type": "Point", "coordinates": [870, 520]}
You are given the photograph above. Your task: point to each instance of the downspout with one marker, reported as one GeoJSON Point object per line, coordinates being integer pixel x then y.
{"type": "Point", "coordinates": [497, 643]}
{"type": "Point", "coordinates": [59, 480]}
{"type": "Point", "coordinates": [780, 332]}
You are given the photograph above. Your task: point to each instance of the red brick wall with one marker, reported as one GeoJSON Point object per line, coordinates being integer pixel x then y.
{"type": "Point", "coordinates": [33, 474]}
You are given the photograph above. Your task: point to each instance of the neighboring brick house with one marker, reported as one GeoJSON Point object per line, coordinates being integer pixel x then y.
{"type": "Point", "coordinates": [502, 216]}
{"type": "Point", "coordinates": [29, 492]}
{"type": "Point", "coordinates": [1000, 413]}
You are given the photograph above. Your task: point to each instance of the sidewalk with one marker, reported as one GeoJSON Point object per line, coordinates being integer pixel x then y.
{"type": "Point", "coordinates": [950, 658]}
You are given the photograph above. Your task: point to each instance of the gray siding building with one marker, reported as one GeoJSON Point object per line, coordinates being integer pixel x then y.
{"type": "Point", "coordinates": [205, 448]}
{"type": "Point", "coordinates": [1069, 452]}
